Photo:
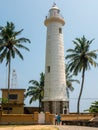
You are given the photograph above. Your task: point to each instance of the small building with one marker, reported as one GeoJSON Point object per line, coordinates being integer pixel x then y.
{"type": "Point", "coordinates": [16, 101]}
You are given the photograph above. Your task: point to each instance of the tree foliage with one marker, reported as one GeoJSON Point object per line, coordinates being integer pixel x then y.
{"type": "Point", "coordinates": [93, 108]}
{"type": "Point", "coordinates": [36, 90]}
{"type": "Point", "coordinates": [10, 43]}
{"type": "Point", "coordinates": [70, 80]}
{"type": "Point", "coordinates": [80, 59]}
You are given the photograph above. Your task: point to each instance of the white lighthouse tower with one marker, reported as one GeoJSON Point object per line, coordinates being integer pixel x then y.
{"type": "Point", "coordinates": [55, 95]}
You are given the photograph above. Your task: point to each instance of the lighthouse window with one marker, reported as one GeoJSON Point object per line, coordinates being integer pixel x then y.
{"type": "Point", "coordinates": [58, 11]}
{"type": "Point", "coordinates": [60, 30]}
{"type": "Point", "coordinates": [48, 69]}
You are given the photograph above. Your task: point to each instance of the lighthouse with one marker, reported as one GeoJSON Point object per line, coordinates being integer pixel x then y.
{"type": "Point", "coordinates": [55, 95]}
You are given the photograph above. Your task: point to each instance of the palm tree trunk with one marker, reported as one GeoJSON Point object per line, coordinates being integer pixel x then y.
{"type": "Point", "coordinates": [81, 90]}
{"type": "Point", "coordinates": [39, 104]}
{"type": "Point", "coordinates": [8, 83]}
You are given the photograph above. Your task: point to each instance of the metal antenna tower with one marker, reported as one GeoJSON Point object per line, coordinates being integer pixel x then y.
{"type": "Point", "coordinates": [14, 79]}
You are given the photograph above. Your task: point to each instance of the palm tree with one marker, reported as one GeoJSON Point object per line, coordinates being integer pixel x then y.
{"type": "Point", "coordinates": [81, 59]}
{"type": "Point", "coordinates": [9, 45]}
{"type": "Point", "coordinates": [70, 80]}
{"type": "Point", "coordinates": [36, 90]}
{"type": "Point", "coordinates": [93, 108]}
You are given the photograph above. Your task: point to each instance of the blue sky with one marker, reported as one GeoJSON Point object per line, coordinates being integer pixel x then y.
{"type": "Point", "coordinates": [81, 17]}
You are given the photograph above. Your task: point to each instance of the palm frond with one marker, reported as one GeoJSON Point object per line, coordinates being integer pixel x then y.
{"type": "Point", "coordinates": [17, 33]}
{"type": "Point", "coordinates": [18, 53]}
{"type": "Point", "coordinates": [21, 46]}
{"type": "Point", "coordinates": [34, 82]}
{"type": "Point", "coordinates": [23, 40]}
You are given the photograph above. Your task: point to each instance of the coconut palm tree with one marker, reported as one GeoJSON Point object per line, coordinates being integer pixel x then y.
{"type": "Point", "coordinates": [81, 59]}
{"type": "Point", "coordinates": [70, 80]}
{"type": "Point", "coordinates": [36, 90]}
{"type": "Point", "coordinates": [10, 45]}
{"type": "Point", "coordinates": [93, 108]}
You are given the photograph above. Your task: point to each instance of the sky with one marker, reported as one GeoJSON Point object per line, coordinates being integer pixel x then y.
{"type": "Point", "coordinates": [81, 18]}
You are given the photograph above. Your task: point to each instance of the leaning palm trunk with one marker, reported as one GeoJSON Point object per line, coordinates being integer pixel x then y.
{"type": "Point", "coordinates": [81, 90]}
{"type": "Point", "coordinates": [9, 67]}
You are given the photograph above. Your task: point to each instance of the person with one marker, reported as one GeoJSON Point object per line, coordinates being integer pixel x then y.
{"type": "Point", "coordinates": [58, 119]}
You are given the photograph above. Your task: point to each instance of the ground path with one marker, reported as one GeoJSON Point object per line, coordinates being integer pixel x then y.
{"type": "Point", "coordinates": [31, 127]}
{"type": "Point", "coordinates": [76, 128]}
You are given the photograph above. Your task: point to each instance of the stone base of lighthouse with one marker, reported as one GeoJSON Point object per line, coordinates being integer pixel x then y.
{"type": "Point", "coordinates": [61, 107]}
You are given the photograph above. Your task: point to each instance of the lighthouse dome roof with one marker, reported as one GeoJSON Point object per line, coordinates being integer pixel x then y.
{"type": "Point", "coordinates": [54, 7]}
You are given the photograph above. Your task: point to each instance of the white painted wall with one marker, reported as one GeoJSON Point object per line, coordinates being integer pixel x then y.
{"type": "Point", "coordinates": [55, 82]}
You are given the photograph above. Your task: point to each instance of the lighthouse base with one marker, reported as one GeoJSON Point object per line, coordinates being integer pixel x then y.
{"type": "Point", "coordinates": [61, 107]}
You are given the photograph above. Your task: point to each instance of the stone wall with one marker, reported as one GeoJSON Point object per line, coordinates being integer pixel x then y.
{"type": "Point", "coordinates": [36, 118]}
{"type": "Point", "coordinates": [19, 118]}
{"type": "Point", "coordinates": [40, 118]}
